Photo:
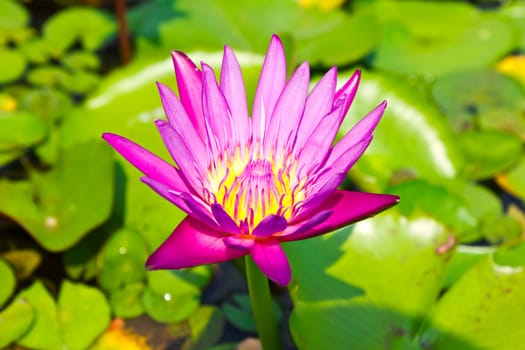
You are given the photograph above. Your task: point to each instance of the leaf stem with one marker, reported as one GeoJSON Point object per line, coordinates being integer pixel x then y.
{"type": "Point", "coordinates": [262, 307]}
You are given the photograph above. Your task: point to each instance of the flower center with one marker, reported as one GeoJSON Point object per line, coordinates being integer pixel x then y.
{"type": "Point", "coordinates": [251, 189]}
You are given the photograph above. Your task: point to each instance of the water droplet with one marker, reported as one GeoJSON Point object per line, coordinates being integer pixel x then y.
{"type": "Point", "coordinates": [51, 222]}
{"type": "Point", "coordinates": [123, 250]}
{"type": "Point", "coordinates": [167, 296]}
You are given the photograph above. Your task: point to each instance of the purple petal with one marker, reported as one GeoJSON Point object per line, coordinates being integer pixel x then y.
{"type": "Point", "coordinates": [347, 207]}
{"type": "Point", "coordinates": [306, 225]}
{"type": "Point", "coordinates": [270, 225]}
{"type": "Point", "coordinates": [215, 108]}
{"type": "Point", "coordinates": [241, 243]}
{"type": "Point", "coordinates": [348, 91]}
{"type": "Point", "coordinates": [362, 130]}
{"type": "Point", "coordinates": [148, 163]}
{"type": "Point", "coordinates": [166, 192]}
{"type": "Point", "coordinates": [318, 104]}
{"type": "Point", "coordinates": [189, 82]}
{"type": "Point", "coordinates": [271, 82]}
{"type": "Point", "coordinates": [232, 86]}
{"type": "Point", "coordinates": [180, 121]}
{"type": "Point", "coordinates": [191, 244]}
{"type": "Point", "coordinates": [224, 220]}
{"type": "Point", "coordinates": [182, 154]}
{"type": "Point", "coordinates": [272, 260]}
{"type": "Point", "coordinates": [282, 126]}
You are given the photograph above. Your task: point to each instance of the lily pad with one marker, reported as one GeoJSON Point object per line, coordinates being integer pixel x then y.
{"type": "Point", "coordinates": [15, 320]}
{"type": "Point", "coordinates": [122, 260]}
{"type": "Point", "coordinates": [81, 60]}
{"type": "Point", "coordinates": [19, 131]}
{"type": "Point", "coordinates": [7, 277]}
{"type": "Point", "coordinates": [171, 306]}
{"type": "Point", "coordinates": [45, 331]}
{"type": "Point", "coordinates": [13, 17]}
{"type": "Point", "coordinates": [485, 99]}
{"type": "Point", "coordinates": [81, 82]}
{"type": "Point", "coordinates": [127, 302]}
{"type": "Point", "coordinates": [64, 204]}
{"type": "Point", "coordinates": [513, 180]}
{"type": "Point", "coordinates": [489, 152]}
{"type": "Point", "coordinates": [81, 260]}
{"type": "Point", "coordinates": [412, 136]}
{"type": "Point", "coordinates": [515, 12]}
{"type": "Point", "coordinates": [392, 268]}
{"type": "Point", "coordinates": [49, 76]}
{"type": "Point", "coordinates": [90, 26]}
{"type": "Point", "coordinates": [450, 37]}
{"type": "Point", "coordinates": [49, 104]}
{"type": "Point", "coordinates": [488, 300]}
{"type": "Point", "coordinates": [84, 314]}
{"type": "Point", "coordinates": [35, 51]}
{"type": "Point", "coordinates": [13, 65]}
{"type": "Point", "coordinates": [207, 325]}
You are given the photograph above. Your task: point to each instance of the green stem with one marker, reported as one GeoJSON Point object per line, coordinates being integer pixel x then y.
{"type": "Point", "coordinates": [262, 307]}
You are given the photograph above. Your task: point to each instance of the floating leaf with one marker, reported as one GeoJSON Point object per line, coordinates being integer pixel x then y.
{"type": "Point", "coordinates": [450, 37]}
{"type": "Point", "coordinates": [513, 180]}
{"type": "Point", "coordinates": [488, 152]}
{"type": "Point", "coordinates": [81, 260]}
{"type": "Point", "coordinates": [35, 51]}
{"type": "Point", "coordinates": [127, 302]}
{"type": "Point", "coordinates": [484, 99]}
{"type": "Point", "coordinates": [122, 260]}
{"type": "Point", "coordinates": [412, 135]}
{"type": "Point", "coordinates": [13, 18]}
{"type": "Point", "coordinates": [484, 310]}
{"type": "Point", "coordinates": [464, 258]}
{"type": "Point", "coordinates": [90, 26]}
{"type": "Point", "coordinates": [8, 281]}
{"type": "Point", "coordinates": [81, 82]}
{"type": "Point", "coordinates": [67, 202]}
{"type": "Point", "coordinates": [513, 255]}
{"type": "Point", "coordinates": [49, 76]}
{"type": "Point", "coordinates": [13, 65]}
{"type": "Point", "coordinates": [81, 60]}
{"type": "Point", "coordinates": [83, 313]}
{"type": "Point", "coordinates": [207, 326]}
{"type": "Point", "coordinates": [387, 275]}
{"type": "Point", "coordinates": [15, 320]}
{"type": "Point", "coordinates": [170, 306]}
{"type": "Point", "coordinates": [45, 331]}
{"type": "Point", "coordinates": [49, 104]}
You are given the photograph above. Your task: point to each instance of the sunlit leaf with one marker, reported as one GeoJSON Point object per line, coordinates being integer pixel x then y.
{"type": "Point", "coordinates": [15, 320]}
{"type": "Point", "coordinates": [13, 65]}
{"type": "Point", "coordinates": [484, 310]}
{"type": "Point", "coordinates": [127, 302]}
{"type": "Point", "coordinates": [24, 261]}
{"type": "Point", "coordinates": [8, 281]}
{"type": "Point", "coordinates": [83, 313]}
{"type": "Point", "coordinates": [45, 331]}
{"type": "Point", "coordinates": [90, 26]}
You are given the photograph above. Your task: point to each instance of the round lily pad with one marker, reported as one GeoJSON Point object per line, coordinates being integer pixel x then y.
{"type": "Point", "coordinates": [489, 152]}
{"type": "Point", "coordinates": [13, 65]}
{"type": "Point", "coordinates": [13, 19]}
{"type": "Point", "coordinates": [81, 60]}
{"type": "Point", "coordinates": [19, 130]}
{"type": "Point", "coordinates": [513, 180]}
{"type": "Point", "coordinates": [91, 26]}
{"type": "Point", "coordinates": [50, 76]}
{"type": "Point", "coordinates": [127, 302]}
{"type": "Point", "coordinates": [122, 260]}
{"type": "Point", "coordinates": [435, 38]}
{"type": "Point", "coordinates": [80, 82]}
{"type": "Point", "coordinates": [485, 98]}
{"type": "Point", "coordinates": [49, 104]}
{"type": "Point", "coordinates": [170, 306]}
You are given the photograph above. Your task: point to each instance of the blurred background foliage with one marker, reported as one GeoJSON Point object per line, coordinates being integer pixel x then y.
{"type": "Point", "coordinates": [442, 270]}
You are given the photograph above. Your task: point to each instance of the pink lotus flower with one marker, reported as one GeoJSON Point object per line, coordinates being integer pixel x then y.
{"type": "Point", "coordinates": [249, 184]}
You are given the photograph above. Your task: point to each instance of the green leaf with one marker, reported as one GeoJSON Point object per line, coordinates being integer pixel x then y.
{"type": "Point", "coordinates": [18, 131]}
{"type": "Point", "coordinates": [49, 76]}
{"type": "Point", "coordinates": [45, 331]}
{"type": "Point", "coordinates": [13, 19]}
{"type": "Point", "coordinates": [81, 260]}
{"type": "Point", "coordinates": [15, 320]}
{"type": "Point", "coordinates": [489, 152]}
{"type": "Point", "coordinates": [13, 65]}
{"type": "Point", "coordinates": [51, 105]}
{"type": "Point", "coordinates": [484, 310]}
{"type": "Point", "coordinates": [81, 82]}
{"type": "Point", "coordinates": [127, 302]}
{"type": "Point", "coordinates": [67, 202]}
{"type": "Point", "coordinates": [464, 258]}
{"type": "Point", "coordinates": [7, 280]}
{"type": "Point", "coordinates": [412, 136]}
{"type": "Point", "coordinates": [84, 314]}
{"type": "Point", "coordinates": [170, 306]}
{"type": "Point", "coordinates": [515, 12]}
{"type": "Point", "coordinates": [448, 37]}
{"type": "Point", "coordinates": [122, 260]}
{"type": "Point", "coordinates": [81, 60]}
{"type": "Point", "coordinates": [481, 98]}
{"type": "Point", "coordinates": [90, 26]}
{"type": "Point", "coordinates": [513, 180]}
{"type": "Point", "coordinates": [391, 268]}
